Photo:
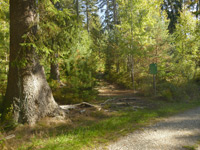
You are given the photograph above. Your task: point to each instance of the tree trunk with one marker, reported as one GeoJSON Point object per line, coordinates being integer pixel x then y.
{"type": "Point", "coordinates": [115, 11]}
{"type": "Point", "coordinates": [6, 61]}
{"type": "Point", "coordinates": [118, 66]}
{"type": "Point", "coordinates": [116, 39]}
{"type": "Point", "coordinates": [27, 90]}
{"type": "Point", "coordinates": [87, 15]}
{"type": "Point", "coordinates": [132, 71]}
{"type": "Point", "coordinates": [132, 59]}
{"type": "Point", "coordinates": [107, 14]}
{"type": "Point", "coordinates": [198, 8]}
{"type": "Point", "coordinates": [55, 73]}
{"type": "Point", "coordinates": [77, 10]}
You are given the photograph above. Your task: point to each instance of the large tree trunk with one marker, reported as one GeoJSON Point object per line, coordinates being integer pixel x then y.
{"type": "Point", "coordinates": [27, 90]}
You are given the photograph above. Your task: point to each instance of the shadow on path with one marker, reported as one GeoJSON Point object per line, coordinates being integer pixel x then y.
{"type": "Point", "coordinates": [170, 134]}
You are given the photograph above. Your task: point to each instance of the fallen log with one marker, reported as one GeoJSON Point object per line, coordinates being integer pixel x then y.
{"type": "Point", "coordinates": [67, 108]}
{"type": "Point", "coordinates": [8, 137]}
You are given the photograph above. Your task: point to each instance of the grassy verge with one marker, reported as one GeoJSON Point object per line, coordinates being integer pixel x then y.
{"type": "Point", "coordinates": [189, 147]}
{"type": "Point", "coordinates": [192, 147]}
{"type": "Point", "coordinates": [89, 134]}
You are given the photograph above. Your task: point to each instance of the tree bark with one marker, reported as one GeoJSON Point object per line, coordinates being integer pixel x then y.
{"type": "Point", "coordinates": [87, 15]}
{"type": "Point", "coordinates": [116, 38]}
{"type": "Point", "coordinates": [132, 71]}
{"type": "Point", "coordinates": [115, 11]}
{"type": "Point", "coordinates": [27, 90]}
{"type": "Point", "coordinates": [132, 59]}
{"type": "Point", "coordinates": [55, 73]}
{"type": "Point", "coordinates": [77, 10]}
{"type": "Point", "coordinates": [118, 66]}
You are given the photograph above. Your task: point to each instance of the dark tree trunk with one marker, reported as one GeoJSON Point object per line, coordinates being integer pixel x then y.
{"type": "Point", "coordinates": [55, 73]}
{"type": "Point", "coordinates": [115, 11]}
{"type": "Point", "coordinates": [118, 66]}
{"type": "Point", "coordinates": [27, 89]}
{"type": "Point", "coordinates": [87, 15]}
{"type": "Point", "coordinates": [130, 68]}
{"type": "Point", "coordinates": [77, 10]}
{"type": "Point", "coordinates": [132, 72]}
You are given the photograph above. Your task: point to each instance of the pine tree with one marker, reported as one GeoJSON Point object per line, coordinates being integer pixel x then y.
{"type": "Point", "coordinates": [173, 8]}
{"type": "Point", "coordinates": [28, 94]}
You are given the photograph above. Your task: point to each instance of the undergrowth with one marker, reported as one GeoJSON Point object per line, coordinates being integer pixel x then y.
{"type": "Point", "coordinates": [70, 94]}
{"type": "Point", "coordinates": [167, 90]}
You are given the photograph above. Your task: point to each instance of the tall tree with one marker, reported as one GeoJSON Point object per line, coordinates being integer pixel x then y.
{"type": "Point", "coordinates": [173, 8]}
{"type": "Point", "coordinates": [194, 5]}
{"type": "Point", "coordinates": [90, 9]}
{"type": "Point", "coordinates": [76, 2]}
{"type": "Point", "coordinates": [54, 72]}
{"type": "Point", "coordinates": [28, 93]}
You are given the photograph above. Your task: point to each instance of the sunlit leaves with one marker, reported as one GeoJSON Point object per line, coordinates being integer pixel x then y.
{"type": "Point", "coordinates": [4, 43]}
{"type": "Point", "coordinates": [186, 44]}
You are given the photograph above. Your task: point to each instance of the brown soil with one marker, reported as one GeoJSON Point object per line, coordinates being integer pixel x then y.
{"type": "Point", "coordinates": [118, 98]}
{"type": "Point", "coordinates": [108, 90]}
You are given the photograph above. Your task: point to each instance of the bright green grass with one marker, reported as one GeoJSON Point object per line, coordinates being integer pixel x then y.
{"type": "Point", "coordinates": [92, 135]}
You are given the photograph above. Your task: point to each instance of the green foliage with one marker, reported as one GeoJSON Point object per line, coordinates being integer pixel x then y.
{"type": "Point", "coordinates": [4, 44]}
{"type": "Point", "coordinates": [143, 35]}
{"type": "Point", "coordinates": [166, 93]}
{"type": "Point", "coordinates": [68, 95]}
{"type": "Point", "coordinates": [173, 92]}
{"type": "Point", "coordinates": [78, 67]}
{"type": "Point", "coordinates": [122, 79]}
{"type": "Point", "coordinates": [186, 50]}
{"type": "Point", "coordinates": [8, 123]}
{"type": "Point", "coordinates": [173, 15]}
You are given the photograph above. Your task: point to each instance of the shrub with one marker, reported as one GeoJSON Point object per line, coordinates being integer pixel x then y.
{"type": "Point", "coordinates": [167, 94]}
{"type": "Point", "coordinates": [184, 92]}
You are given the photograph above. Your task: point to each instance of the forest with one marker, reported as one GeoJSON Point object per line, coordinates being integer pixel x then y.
{"type": "Point", "coordinates": [61, 52]}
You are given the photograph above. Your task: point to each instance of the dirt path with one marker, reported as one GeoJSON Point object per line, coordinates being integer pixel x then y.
{"type": "Point", "coordinates": [108, 90]}
{"type": "Point", "coordinates": [172, 133]}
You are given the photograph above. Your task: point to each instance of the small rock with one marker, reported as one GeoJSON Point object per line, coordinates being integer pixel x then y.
{"type": "Point", "coordinates": [82, 111]}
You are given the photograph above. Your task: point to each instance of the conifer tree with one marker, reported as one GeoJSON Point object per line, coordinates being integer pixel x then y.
{"type": "Point", "coordinates": [28, 95]}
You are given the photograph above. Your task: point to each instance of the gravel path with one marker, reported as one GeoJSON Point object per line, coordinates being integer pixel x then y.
{"type": "Point", "coordinates": [169, 134]}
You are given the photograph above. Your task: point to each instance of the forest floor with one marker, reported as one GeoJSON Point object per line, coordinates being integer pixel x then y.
{"type": "Point", "coordinates": [106, 123]}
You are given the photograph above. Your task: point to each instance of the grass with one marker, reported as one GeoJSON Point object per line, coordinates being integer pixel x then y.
{"type": "Point", "coordinates": [189, 147]}
{"type": "Point", "coordinates": [88, 134]}
{"type": "Point", "coordinates": [192, 147]}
